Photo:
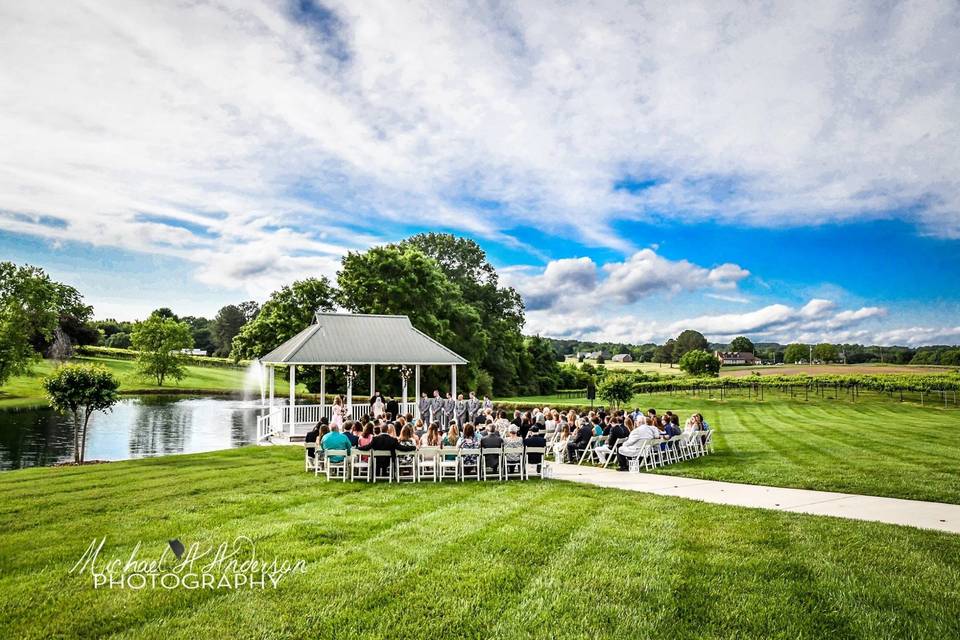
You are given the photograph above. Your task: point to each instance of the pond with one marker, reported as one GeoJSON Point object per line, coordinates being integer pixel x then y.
{"type": "Point", "coordinates": [137, 427]}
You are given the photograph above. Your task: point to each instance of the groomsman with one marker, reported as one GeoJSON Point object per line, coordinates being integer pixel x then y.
{"type": "Point", "coordinates": [473, 407]}
{"type": "Point", "coordinates": [436, 407]}
{"type": "Point", "coordinates": [487, 404]}
{"type": "Point", "coordinates": [424, 405]}
{"type": "Point", "coordinates": [460, 411]}
{"type": "Point", "coordinates": [449, 406]}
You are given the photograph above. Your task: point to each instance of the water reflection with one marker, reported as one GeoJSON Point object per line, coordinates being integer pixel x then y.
{"type": "Point", "coordinates": [136, 428]}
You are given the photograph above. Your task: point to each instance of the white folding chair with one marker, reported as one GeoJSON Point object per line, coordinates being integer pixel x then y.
{"type": "Point", "coordinates": [707, 442]}
{"type": "Point", "coordinates": [512, 463]}
{"type": "Point", "coordinates": [337, 469]}
{"type": "Point", "coordinates": [470, 459]}
{"type": "Point", "coordinates": [497, 454]}
{"type": "Point", "coordinates": [406, 466]}
{"type": "Point", "coordinates": [449, 463]}
{"type": "Point", "coordinates": [612, 456]}
{"type": "Point", "coordinates": [640, 452]}
{"type": "Point", "coordinates": [359, 465]}
{"type": "Point", "coordinates": [537, 466]}
{"type": "Point", "coordinates": [376, 474]}
{"type": "Point", "coordinates": [589, 452]}
{"type": "Point", "coordinates": [427, 459]}
{"type": "Point", "coordinates": [310, 456]}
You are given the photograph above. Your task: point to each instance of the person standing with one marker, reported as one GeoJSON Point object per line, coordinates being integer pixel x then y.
{"type": "Point", "coordinates": [460, 411]}
{"type": "Point", "coordinates": [424, 406]}
{"type": "Point", "coordinates": [436, 406]}
{"type": "Point", "coordinates": [448, 407]}
{"type": "Point", "coordinates": [473, 407]}
{"type": "Point", "coordinates": [487, 404]}
{"type": "Point", "coordinates": [393, 408]}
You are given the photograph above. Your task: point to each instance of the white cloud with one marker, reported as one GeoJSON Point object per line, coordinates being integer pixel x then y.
{"type": "Point", "coordinates": [817, 320]}
{"type": "Point", "coordinates": [573, 281]}
{"type": "Point", "coordinates": [234, 120]}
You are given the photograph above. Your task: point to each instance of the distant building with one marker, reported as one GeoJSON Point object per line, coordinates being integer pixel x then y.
{"type": "Point", "coordinates": [193, 352]}
{"type": "Point", "coordinates": [623, 357]}
{"type": "Point", "coordinates": [737, 357]}
{"type": "Point", "coordinates": [594, 355]}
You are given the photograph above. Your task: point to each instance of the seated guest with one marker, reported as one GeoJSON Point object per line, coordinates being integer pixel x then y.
{"type": "Point", "coordinates": [492, 441]}
{"type": "Point", "coordinates": [366, 436]}
{"type": "Point", "coordinates": [450, 439]}
{"type": "Point", "coordinates": [560, 443]}
{"type": "Point", "coordinates": [618, 431]}
{"type": "Point", "coordinates": [635, 441]}
{"type": "Point", "coordinates": [407, 439]}
{"type": "Point", "coordinates": [334, 441]}
{"type": "Point", "coordinates": [535, 440]}
{"type": "Point", "coordinates": [579, 441]}
{"type": "Point", "coordinates": [385, 442]}
{"type": "Point", "coordinates": [431, 437]}
{"type": "Point", "coordinates": [313, 437]}
{"type": "Point", "coordinates": [672, 427]}
{"type": "Point", "coordinates": [597, 427]}
{"type": "Point", "coordinates": [353, 430]}
{"type": "Point", "coordinates": [513, 445]}
{"type": "Point", "coordinates": [419, 428]}
{"type": "Point", "coordinates": [469, 441]}
{"type": "Point", "coordinates": [391, 431]}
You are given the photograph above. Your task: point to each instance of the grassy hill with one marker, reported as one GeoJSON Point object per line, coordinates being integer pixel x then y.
{"type": "Point", "coordinates": [26, 390]}
{"type": "Point", "coordinates": [539, 559]}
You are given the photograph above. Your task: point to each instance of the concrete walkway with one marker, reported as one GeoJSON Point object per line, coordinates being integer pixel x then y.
{"type": "Point", "coordinates": [913, 513]}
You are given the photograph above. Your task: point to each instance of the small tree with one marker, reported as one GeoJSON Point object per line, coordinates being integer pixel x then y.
{"type": "Point", "coordinates": [795, 353]}
{"type": "Point", "coordinates": [159, 340]}
{"type": "Point", "coordinates": [616, 389]}
{"type": "Point", "coordinates": [80, 390]}
{"type": "Point", "coordinates": [600, 358]}
{"type": "Point", "coordinates": [700, 363]}
{"type": "Point", "coordinates": [742, 344]}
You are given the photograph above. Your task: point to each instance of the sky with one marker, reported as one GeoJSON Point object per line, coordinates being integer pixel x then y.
{"type": "Point", "coordinates": [787, 171]}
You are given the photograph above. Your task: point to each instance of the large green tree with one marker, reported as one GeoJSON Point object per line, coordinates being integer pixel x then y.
{"type": "Point", "coordinates": [795, 353]}
{"type": "Point", "coordinates": [826, 352]}
{"type": "Point", "coordinates": [688, 341]}
{"type": "Point", "coordinates": [226, 325]}
{"type": "Point", "coordinates": [81, 390]}
{"type": "Point", "coordinates": [501, 310]}
{"type": "Point", "coordinates": [403, 280]}
{"type": "Point", "coordinates": [30, 307]}
{"type": "Point", "coordinates": [159, 340]}
{"type": "Point", "coordinates": [664, 354]}
{"type": "Point", "coordinates": [289, 311]}
{"type": "Point", "coordinates": [742, 344]}
{"type": "Point", "coordinates": [700, 363]}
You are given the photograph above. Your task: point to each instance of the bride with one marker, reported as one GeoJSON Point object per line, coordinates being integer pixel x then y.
{"type": "Point", "coordinates": [377, 407]}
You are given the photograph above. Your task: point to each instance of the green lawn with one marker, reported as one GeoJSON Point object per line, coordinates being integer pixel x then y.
{"type": "Point", "coordinates": [26, 390]}
{"type": "Point", "coordinates": [497, 560]}
{"type": "Point", "coordinates": [875, 446]}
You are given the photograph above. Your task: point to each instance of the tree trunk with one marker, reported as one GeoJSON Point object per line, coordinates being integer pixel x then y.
{"type": "Point", "coordinates": [76, 437]}
{"type": "Point", "coordinates": [83, 437]}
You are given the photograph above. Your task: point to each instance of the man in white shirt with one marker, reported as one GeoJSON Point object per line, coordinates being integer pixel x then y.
{"type": "Point", "coordinates": [635, 442]}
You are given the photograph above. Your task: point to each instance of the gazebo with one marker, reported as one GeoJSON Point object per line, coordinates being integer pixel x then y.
{"type": "Point", "coordinates": [350, 340]}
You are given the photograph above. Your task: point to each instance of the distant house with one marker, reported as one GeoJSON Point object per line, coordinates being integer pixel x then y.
{"type": "Point", "coordinates": [193, 352]}
{"type": "Point", "coordinates": [594, 355]}
{"type": "Point", "coordinates": [737, 357]}
{"type": "Point", "coordinates": [623, 357]}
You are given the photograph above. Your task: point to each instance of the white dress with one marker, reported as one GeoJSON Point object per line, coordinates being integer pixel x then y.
{"type": "Point", "coordinates": [338, 416]}
{"type": "Point", "coordinates": [378, 408]}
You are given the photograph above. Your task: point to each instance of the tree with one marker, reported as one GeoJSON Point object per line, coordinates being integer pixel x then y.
{"type": "Point", "coordinates": [700, 363]}
{"type": "Point", "coordinates": [230, 319]}
{"type": "Point", "coordinates": [616, 389]}
{"type": "Point", "coordinates": [250, 309]}
{"type": "Point", "coordinates": [825, 352]}
{"type": "Point", "coordinates": [545, 370]}
{"type": "Point", "coordinates": [29, 308]}
{"type": "Point", "coordinates": [201, 330]}
{"type": "Point", "coordinates": [118, 341]}
{"type": "Point", "coordinates": [289, 311]}
{"type": "Point", "coordinates": [664, 353]}
{"type": "Point", "coordinates": [742, 344]}
{"type": "Point", "coordinates": [501, 310]}
{"type": "Point", "coordinates": [600, 358]}
{"type": "Point", "coordinates": [81, 390]}
{"type": "Point", "coordinates": [795, 353]}
{"type": "Point", "coordinates": [159, 340]}
{"type": "Point", "coordinates": [688, 341]}
{"type": "Point", "coordinates": [400, 279]}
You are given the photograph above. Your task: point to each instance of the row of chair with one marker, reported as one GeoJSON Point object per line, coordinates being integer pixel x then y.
{"type": "Point", "coordinates": [428, 464]}
{"type": "Point", "coordinates": [654, 452]}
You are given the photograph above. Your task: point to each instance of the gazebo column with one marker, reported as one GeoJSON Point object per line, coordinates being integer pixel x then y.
{"type": "Point", "coordinates": [271, 376]}
{"type": "Point", "coordinates": [349, 392]}
{"type": "Point", "coordinates": [373, 379]}
{"type": "Point", "coordinates": [453, 381]}
{"type": "Point", "coordinates": [416, 390]}
{"type": "Point", "coordinates": [323, 388]}
{"type": "Point", "coordinates": [293, 398]}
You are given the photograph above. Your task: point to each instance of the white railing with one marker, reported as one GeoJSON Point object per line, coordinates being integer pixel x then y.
{"type": "Point", "coordinates": [278, 420]}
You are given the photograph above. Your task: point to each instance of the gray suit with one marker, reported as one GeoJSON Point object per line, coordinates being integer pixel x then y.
{"type": "Point", "coordinates": [436, 409]}
{"type": "Point", "coordinates": [473, 408]}
{"type": "Point", "coordinates": [424, 405]}
{"type": "Point", "coordinates": [460, 412]}
{"type": "Point", "coordinates": [449, 405]}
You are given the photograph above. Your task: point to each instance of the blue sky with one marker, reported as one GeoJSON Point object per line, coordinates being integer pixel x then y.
{"type": "Point", "coordinates": [787, 172]}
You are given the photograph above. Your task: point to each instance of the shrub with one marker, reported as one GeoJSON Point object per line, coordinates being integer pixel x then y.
{"type": "Point", "coordinates": [700, 363]}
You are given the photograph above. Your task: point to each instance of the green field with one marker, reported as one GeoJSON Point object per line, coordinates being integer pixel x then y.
{"type": "Point", "coordinates": [874, 447]}
{"type": "Point", "coordinates": [26, 390]}
{"type": "Point", "coordinates": [497, 560]}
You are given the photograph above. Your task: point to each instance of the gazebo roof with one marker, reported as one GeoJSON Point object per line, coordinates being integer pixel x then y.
{"type": "Point", "coordinates": [357, 338]}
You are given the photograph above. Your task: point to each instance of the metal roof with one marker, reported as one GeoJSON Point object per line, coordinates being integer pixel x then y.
{"type": "Point", "coordinates": [356, 338]}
